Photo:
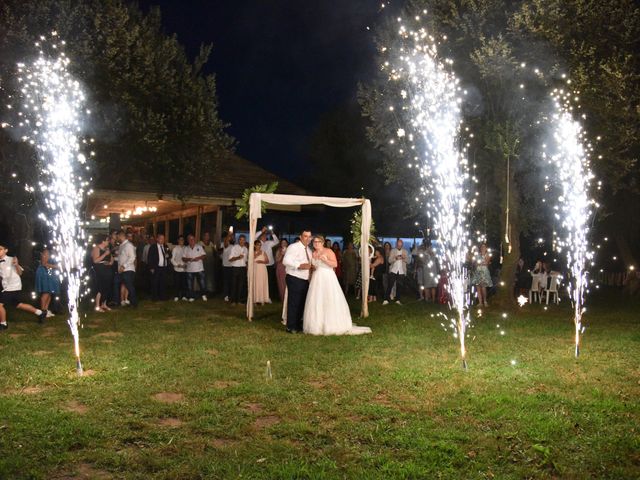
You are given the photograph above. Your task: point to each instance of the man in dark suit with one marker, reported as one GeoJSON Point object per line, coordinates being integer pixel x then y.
{"type": "Point", "coordinates": [157, 261]}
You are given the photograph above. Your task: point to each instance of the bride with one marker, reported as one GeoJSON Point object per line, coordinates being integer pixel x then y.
{"type": "Point", "coordinates": [326, 311]}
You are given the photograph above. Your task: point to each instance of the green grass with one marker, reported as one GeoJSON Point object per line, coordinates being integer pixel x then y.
{"type": "Point", "coordinates": [395, 404]}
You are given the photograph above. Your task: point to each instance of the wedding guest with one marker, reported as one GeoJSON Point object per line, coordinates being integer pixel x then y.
{"type": "Point", "coordinates": [482, 278]}
{"type": "Point", "coordinates": [117, 285]}
{"type": "Point", "coordinates": [127, 269]}
{"type": "Point", "coordinates": [281, 270]}
{"type": "Point", "coordinates": [210, 261]}
{"type": "Point", "coordinates": [194, 255]}
{"type": "Point", "coordinates": [327, 243]}
{"type": "Point", "coordinates": [398, 258]}
{"type": "Point", "coordinates": [102, 260]}
{"type": "Point", "coordinates": [268, 245]}
{"type": "Point", "coordinates": [336, 250]}
{"type": "Point", "coordinates": [158, 262]}
{"type": "Point", "coordinates": [11, 271]}
{"type": "Point", "coordinates": [227, 269]}
{"type": "Point", "coordinates": [179, 270]}
{"type": "Point", "coordinates": [260, 275]}
{"type": "Point", "coordinates": [350, 268]}
{"type": "Point", "coordinates": [238, 258]}
{"type": "Point", "coordinates": [387, 251]}
{"type": "Point", "coordinates": [47, 281]}
{"type": "Point", "coordinates": [377, 267]}
{"type": "Point", "coordinates": [429, 274]}
{"type": "Point", "coordinates": [523, 279]}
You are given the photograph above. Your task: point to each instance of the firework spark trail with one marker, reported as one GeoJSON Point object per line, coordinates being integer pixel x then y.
{"type": "Point", "coordinates": [52, 102]}
{"type": "Point", "coordinates": [430, 95]}
{"type": "Point", "coordinates": [575, 207]}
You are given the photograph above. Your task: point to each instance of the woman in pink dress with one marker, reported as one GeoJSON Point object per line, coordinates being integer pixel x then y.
{"type": "Point", "coordinates": [260, 275]}
{"type": "Point", "coordinates": [281, 271]}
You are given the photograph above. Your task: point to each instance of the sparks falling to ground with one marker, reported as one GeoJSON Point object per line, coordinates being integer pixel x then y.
{"type": "Point", "coordinates": [428, 134]}
{"type": "Point", "coordinates": [52, 102]}
{"type": "Point", "coordinates": [574, 209]}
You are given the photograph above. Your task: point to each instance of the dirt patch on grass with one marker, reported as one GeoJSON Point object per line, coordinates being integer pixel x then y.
{"type": "Point", "coordinates": [89, 373]}
{"type": "Point", "coordinates": [31, 390]}
{"type": "Point", "coordinates": [168, 397]}
{"type": "Point", "coordinates": [221, 442]}
{"type": "Point", "coordinates": [109, 334]}
{"type": "Point", "coordinates": [41, 353]}
{"type": "Point", "coordinates": [48, 331]}
{"type": "Point", "coordinates": [172, 320]}
{"type": "Point", "coordinates": [382, 399]}
{"type": "Point", "coordinates": [76, 407]}
{"type": "Point", "coordinates": [106, 340]}
{"type": "Point", "coordinates": [170, 422]}
{"type": "Point", "coordinates": [266, 421]}
{"type": "Point", "coordinates": [221, 385]}
{"type": "Point", "coordinates": [16, 335]}
{"type": "Point", "coordinates": [85, 471]}
{"type": "Point", "coordinates": [252, 407]}
{"type": "Point", "coordinates": [92, 326]}
{"type": "Point", "coordinates": [213, 352]}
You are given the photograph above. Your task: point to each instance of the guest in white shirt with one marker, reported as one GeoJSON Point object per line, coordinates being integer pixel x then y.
{"type": "Point", "coordinates": [398, 258]}
{"type": "Point", "coordinates": [10, 271]}
{"type": "Point", "coordinates": [227, 269]}
{"type": "Point", "coordinates": [193, 256]}
{"type": "Point", "coordinates": [179, 270]}
{"type": "Point", "coordinates": [238, 259]}
{"type": "Point", "coordinates": [297, 262]}
{"type": "Point", "coordinates": [127, 269]}
{"type": "Point", "coordinates": [267, 247]}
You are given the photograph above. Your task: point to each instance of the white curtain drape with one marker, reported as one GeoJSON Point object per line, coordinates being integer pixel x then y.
{"type": "Point", "coordinates": [255, 212]}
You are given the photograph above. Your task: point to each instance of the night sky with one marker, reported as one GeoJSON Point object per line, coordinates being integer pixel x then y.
{"type": "Point", "coordinates": [280, 64]}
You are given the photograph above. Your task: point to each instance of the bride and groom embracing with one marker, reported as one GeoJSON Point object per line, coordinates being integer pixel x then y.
{"type": "Point", "coordinates": [315, 301]}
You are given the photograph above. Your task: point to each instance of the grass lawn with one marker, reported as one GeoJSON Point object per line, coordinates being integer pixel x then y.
{"type": "Point", "coordinates": [180, 391]}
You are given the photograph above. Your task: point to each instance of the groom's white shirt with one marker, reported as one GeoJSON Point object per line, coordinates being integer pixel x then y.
{"type": "Point", "coordinates": [294, 257]}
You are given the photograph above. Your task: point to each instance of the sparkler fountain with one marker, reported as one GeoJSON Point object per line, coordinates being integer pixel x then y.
{"type": "Point", "coordinates": [570, 157]}
{"type": "Point", "coordinates": [52, 102]}
{"type": "Point", "coordinates": [429, 133]}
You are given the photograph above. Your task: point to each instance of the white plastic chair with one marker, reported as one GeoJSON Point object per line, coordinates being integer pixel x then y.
{"type": "Point", "coordinates": [534, 291]}
{"type": "Point", "coordinates": [553, 289]}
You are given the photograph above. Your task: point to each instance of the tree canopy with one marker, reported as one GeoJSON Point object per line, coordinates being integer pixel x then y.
{"type": "Point", "coordinates": [155, 113]}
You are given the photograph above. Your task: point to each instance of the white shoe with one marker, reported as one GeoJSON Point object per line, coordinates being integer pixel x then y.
{"type": "Point", "coordinates": [385, 302]}
{"type": "Point", "coordinates": [175, 299]}
{"type": "Point", "coordinates": [226, 299]}
{"type": "Point", "coordinates": [204, 298]}
{"type": "Point", "coordinates": [398, 302]}
{"type": "Point", "coordinates": [185, 298]}
{"type": "Point", "coordinates": [50, 314]}
{"type": "Point", "coordinates": [192, 299]}
{"type": "Point", "coordinates": [124, 303]}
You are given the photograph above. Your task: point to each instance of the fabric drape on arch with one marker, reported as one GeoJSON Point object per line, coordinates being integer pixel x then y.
{"type": "Point", "coordinates": [255, 212]}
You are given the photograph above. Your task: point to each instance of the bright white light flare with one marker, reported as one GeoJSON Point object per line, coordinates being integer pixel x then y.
{"type": "Point", "coordinates": [429, 121]}
{"type": "Point", "coordinates": [52, 102]}
{"type": "Point", "coordinates": [574, 207]}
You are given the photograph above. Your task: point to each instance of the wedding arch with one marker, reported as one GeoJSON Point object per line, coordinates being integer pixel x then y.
{"type": "Point", "coordinates": [255, 212]}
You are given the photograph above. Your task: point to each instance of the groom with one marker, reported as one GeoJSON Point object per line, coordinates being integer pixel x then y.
{"type": "Point", "coordinates": [297, 261]}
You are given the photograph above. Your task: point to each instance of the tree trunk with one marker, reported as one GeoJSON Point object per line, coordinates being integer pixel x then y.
{"type": "Point", "coordinates": [504, 297]}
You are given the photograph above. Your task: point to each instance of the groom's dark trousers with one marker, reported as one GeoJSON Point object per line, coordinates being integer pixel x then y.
{"type": "Point", "coordinates": [296, 296]}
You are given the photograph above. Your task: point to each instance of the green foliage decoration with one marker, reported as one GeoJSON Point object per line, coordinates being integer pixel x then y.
{"type": "Point", "coordinates": [243, 204]}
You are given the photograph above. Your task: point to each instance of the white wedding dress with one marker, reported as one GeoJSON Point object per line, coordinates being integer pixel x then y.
{"type": "Point", "coordinates": [326, 311]}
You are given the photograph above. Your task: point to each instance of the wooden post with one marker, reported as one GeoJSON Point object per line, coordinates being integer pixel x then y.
{"type": "Point", "coordinates": [198, 223]}
{"type": "Point", "coordinates": [166, 230]}
{"type": "Point", "coordinates": [217, 237]}
{"type": "Point", "coordinates": [181, 225]}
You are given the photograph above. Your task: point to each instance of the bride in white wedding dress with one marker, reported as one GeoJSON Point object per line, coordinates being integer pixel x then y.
{"type": "Point", "coordinates": [326, 311]}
